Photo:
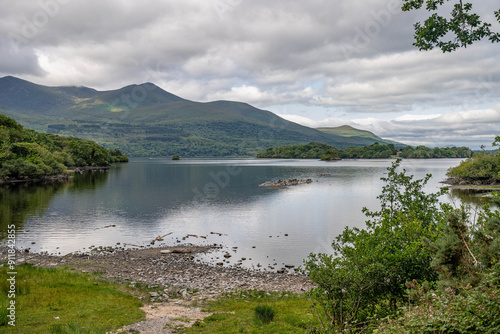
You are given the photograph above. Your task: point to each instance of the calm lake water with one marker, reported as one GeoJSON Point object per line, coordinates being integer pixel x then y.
{"type": "Point", "coordinates": [150, 197]}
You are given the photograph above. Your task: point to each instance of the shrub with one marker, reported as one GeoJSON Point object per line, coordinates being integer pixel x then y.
{"type": "Point", "coordinates": [366, 276]}
{"type": "Point", "coordinates": [264, 313]}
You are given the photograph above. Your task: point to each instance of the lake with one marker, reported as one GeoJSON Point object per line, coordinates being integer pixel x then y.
{"type": "Point", "coordinates": [205, 202]}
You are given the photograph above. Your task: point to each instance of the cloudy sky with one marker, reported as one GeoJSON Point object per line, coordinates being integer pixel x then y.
{"type": "Point", "coordinates": [315, 62]}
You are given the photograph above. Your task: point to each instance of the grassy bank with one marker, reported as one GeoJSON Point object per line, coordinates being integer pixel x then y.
{"type": "Point", "coordinates": [63, 301]}
{"type": "Point", "coordinates": [236, 313]}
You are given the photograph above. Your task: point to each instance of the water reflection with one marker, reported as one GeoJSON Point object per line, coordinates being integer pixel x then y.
{"type": "Point", "coordinates": [147, 198]}
{"type": "Point", "coordinates": [17, 201]}
{"type": "Point", "coordinates": [20, 201]}
{"type": "Point", "coordinates": [476, 197]}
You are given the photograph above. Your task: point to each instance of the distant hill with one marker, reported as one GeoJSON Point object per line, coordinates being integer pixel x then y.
{"type": "Point", "coordinates": [145, 120]}
{"type": "Point", "coordinates": [364, 136]}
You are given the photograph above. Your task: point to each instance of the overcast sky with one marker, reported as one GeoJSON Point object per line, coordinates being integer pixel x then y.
{"type": "Point", "coordinates": [315, 62]}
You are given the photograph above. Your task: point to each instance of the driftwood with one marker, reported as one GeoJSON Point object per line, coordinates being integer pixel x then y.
{"type": "Point", "coordinates": [126, 244]}
{"type": "Point", "coordinates": [160, 238]}
{"type": "Point", "coordinates": [219, 234]}
{"type": "Point", "coordinates": [105, 227]}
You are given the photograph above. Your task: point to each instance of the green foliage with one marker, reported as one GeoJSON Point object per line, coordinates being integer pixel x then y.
{"type": "Point", "coordinates": [481, 168]}
{"type": "Point", "coordinates": [366, 276]}
{"type": "Point", "coordinates": [115, 155]}
{"type": "Point", "coordinates": [472, 310]}
{"type": "Point", "coordinates": [264, 313]}
{"type": "Point", "coordinates": [331, 154]}
{"type": "Point", "coordinates": [452, 257]}
{"type": "Point", "coordinates": [463, 25]}
{"type": "Point", "coordinates": [373, 151]}
{"type": "Point", "coordinates": [306, 151]}
{"type": "Point", "coordinates": [422, 152]}
{"type": "Point", "coordinates": [176, 157]}
{"type": "Point", "coordinates": [27, 154]}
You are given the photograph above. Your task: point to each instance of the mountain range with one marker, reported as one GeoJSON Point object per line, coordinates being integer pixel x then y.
{"type": "Point", "coordinates": [145, 120]}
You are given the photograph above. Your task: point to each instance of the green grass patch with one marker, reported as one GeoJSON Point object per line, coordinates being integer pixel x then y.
{"type": "Point", "coordinates": [61, 301]}
{"type": "Point", "coordinates": [236, 313]}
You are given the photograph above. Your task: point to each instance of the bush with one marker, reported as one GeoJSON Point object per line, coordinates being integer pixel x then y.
{"type": "Point", "coordinates": [481, 168]}
{"type": "Point", "coordinates": [472, 310]}
{"type": "Point", "coordinates": [365, 277]}
{"type": "Point", "coordinates": [264, 313]}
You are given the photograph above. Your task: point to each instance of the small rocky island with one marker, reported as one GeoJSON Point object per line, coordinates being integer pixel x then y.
{"type": "Point", "coordinates": [285, 183]}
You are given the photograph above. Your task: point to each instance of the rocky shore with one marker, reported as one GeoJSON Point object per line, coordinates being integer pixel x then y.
{"type": "Point", "coordinates": [460, 183]}
{"type": "Point", "coordinates": [169, 267]}
{"type": "Point", "coordinates": [176, 282]}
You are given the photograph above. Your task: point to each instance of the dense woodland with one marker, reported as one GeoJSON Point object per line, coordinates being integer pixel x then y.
{"type": "Point", "coordinates": [374, 151]}
{"type": "Point", "coordinates": [26, 154]}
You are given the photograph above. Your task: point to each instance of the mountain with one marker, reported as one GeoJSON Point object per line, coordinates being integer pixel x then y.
{"type": "Point", "coordinates": [145, 120]}
{"type": "Point", "coordinates": [363, 136]}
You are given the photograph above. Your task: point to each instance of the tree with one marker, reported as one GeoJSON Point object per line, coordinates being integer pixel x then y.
{"type": "Point", "coordinates": [366, 276]}
{"type": "Point", "coordinates": [464, 25]}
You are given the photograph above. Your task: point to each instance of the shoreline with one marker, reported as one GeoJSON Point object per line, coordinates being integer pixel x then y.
{"type": "Point", "coordinates": [456, 183]}
{"type": "Point", "coordinates": [168, 266]}
{"type": "Point", "coordinates": [60, 177]}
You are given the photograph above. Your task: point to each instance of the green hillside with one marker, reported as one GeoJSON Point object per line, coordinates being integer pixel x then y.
{"type": "Point", "coordinates": [145, 120]}
{"type": "Point", "coordinates": [27, 154]}
{"type": "Point", "coordinates": [364, 136]}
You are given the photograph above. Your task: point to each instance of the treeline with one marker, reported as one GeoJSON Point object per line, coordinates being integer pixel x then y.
{"type": "Point", "coordinates": [374, 151]}
{"type": "Point", "coordinates": [27, 154]}
{"type": "Point", "coordinates": [482, 168]}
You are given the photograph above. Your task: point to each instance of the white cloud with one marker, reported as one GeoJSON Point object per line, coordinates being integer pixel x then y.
{"type": "Point", "coordinates": [470, 128]}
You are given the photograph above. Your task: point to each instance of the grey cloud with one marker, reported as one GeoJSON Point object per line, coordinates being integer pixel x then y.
{"type": "Point", "coordinates": [18, 59]}
{"type": "Point", "coordinates": [355, 56]}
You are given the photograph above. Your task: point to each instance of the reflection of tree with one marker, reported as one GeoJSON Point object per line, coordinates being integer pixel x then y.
{"type": "Point", "coordinates": [88, 180]}
{"type": "Point", "coordinates": [20, 200]}
{"type": "Point", "coordinates": [470, 196]}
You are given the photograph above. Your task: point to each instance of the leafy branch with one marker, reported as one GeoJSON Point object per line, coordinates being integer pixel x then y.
{"type": "Point", "coordinates": [461, 29]}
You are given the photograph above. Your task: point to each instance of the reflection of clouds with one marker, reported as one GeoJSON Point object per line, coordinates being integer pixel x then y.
{"type": "Point", "coordinates": [312, 215]}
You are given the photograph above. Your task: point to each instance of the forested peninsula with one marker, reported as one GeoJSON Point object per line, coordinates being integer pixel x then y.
{"type": "Point", "coordinates": [375, 151]}
{"type": "Point", "coordinates": [483, 168]}
{"type": "Point", "coordinates": [29, 155]}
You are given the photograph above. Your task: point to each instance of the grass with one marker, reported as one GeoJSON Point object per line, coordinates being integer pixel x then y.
{"type": "Point", "coordinates": [62, 301]}
{"type": "Point", "coordinates": [236, 313]}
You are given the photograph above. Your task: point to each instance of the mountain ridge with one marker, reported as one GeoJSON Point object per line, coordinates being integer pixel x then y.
{"type": "Point", "coordinates": [145, 120]}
